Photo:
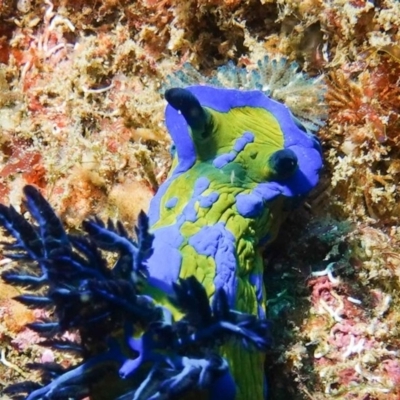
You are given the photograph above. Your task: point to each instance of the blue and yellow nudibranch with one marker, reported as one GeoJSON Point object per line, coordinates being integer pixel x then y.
{"type": "Point", "coordinates": [181, 314]}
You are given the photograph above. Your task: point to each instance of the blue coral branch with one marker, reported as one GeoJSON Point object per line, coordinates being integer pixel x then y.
{"type": "Point", "coordinates": [25, 235]}
{"type": "Point", "coordinates": [52, 234]}
{"type": "Point", "coordinates": [100, 302]}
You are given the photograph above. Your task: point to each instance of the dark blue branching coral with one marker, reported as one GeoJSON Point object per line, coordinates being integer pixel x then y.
{"type": "Point", "coordinates": [122, 330]}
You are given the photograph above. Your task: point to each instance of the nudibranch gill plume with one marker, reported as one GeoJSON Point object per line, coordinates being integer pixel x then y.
{"type": "Point", "coordinates": [181, 313]}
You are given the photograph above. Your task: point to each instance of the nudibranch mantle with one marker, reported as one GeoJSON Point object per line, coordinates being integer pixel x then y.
{"type": "Point", "coordinates": [222, 179]}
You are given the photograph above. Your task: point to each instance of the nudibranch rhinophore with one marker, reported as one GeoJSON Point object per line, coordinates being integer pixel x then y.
{"type": "Point", "coordinates": [182, 311]}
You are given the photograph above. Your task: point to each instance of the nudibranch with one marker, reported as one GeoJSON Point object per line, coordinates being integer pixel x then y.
{"type": "Point", "coordinates": [182, 310]}
{"type": "Point", "coordinates": [241, 161]}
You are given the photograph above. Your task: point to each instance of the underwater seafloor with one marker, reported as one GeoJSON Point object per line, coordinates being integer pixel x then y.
{"type": "Point", "coordinates": [81, 117]}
